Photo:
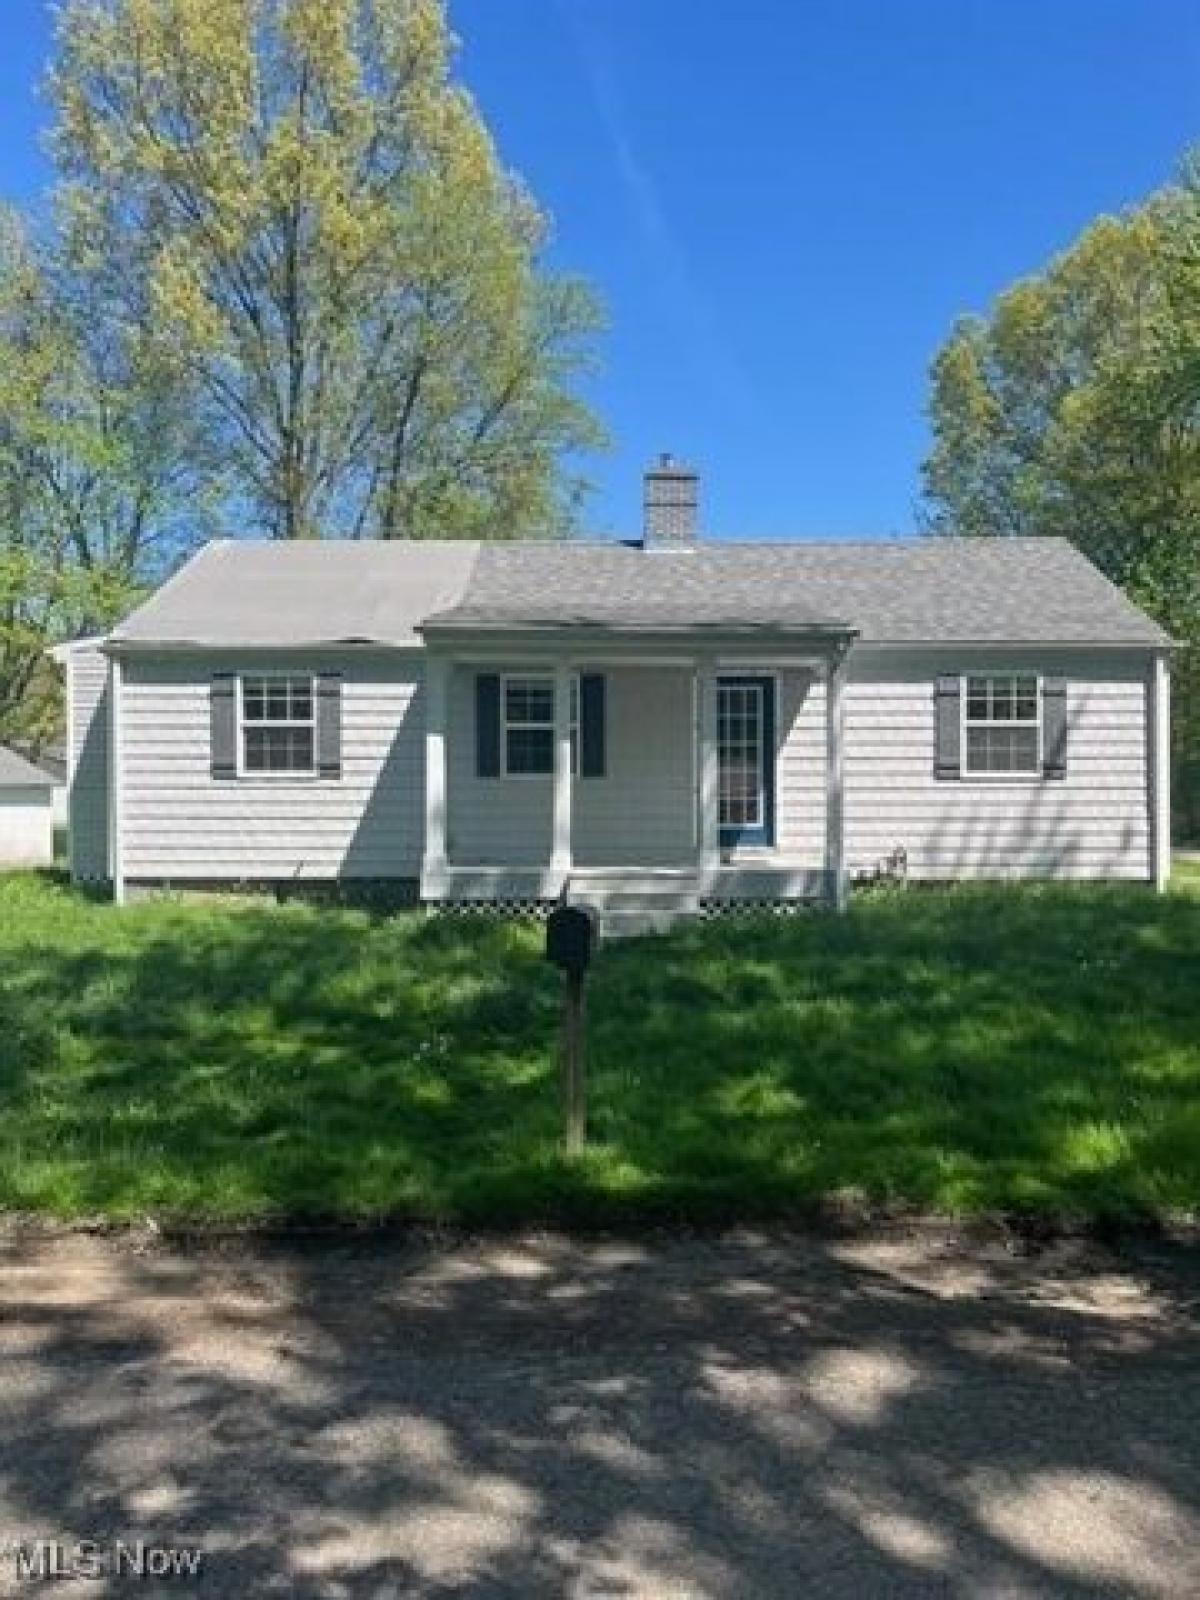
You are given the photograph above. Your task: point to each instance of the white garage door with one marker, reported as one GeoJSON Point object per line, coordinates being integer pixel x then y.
{"type": "Point", "coordinates": [26, 828]}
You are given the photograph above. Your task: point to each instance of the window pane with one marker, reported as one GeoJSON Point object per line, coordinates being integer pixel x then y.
{"type": "Point", "coordinates": [274, 699]}
{"type": "Point", "coordinates": [529, 700]}
{"type": "Point", "coordinates": [530, 750]}
{"type": "Point", "coordinates": [977, 749]}
{"type": "Point", "coordinates": [739, 755]}
{"type": "Point", "coordinates": [1025, 749]}
{"type": "Point", "coordinates": [254, 707]}
{"type": "Point", "coordinates": [277, 701]}
{"type": "Point", "coordinates": [1002, 749]}
{"type": "Point", "coordinates": [278, 749]}
{"type": "Point", "coordinates": [1003, 703]}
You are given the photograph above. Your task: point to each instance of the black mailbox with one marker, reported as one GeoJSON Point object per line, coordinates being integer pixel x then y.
{"type": "Point", "coordinates": [570, 936]}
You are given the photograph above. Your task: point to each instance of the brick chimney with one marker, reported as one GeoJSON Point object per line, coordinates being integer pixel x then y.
{"type": "Point", "coordinates": [670, 506]}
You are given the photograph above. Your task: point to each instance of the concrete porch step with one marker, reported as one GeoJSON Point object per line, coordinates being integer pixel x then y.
{"type": "Point", "coordinates": [634, 923]}
{"type": "Point", "coordinates": [684, 903]}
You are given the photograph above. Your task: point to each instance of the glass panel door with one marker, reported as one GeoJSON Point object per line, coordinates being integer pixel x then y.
{"type": "Point", "coordinates": [745, 717]}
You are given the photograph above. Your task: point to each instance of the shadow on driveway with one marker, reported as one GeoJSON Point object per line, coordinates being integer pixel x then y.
{"type": "Point", "coordinates": [748, 1415]}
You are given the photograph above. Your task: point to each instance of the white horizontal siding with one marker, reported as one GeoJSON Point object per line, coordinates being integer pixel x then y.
{"type": "Point", "coordinates": [641, 812]}
{"type": "Point", "coordinates": [800, 769]}
{"type": "Point", "coordinates": [87, 764]}
{"type": "Point", "coordinates": [180, 823]}
{"type": "Point", "coordinates": [1092, 824]}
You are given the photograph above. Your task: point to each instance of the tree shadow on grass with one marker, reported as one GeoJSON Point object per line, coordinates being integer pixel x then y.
{"type": "Point", "coordinates": [719, 1417]}
{"type": "Point", "coordinates": [1025, 1049]}
{"type": "Point", "coordinates": [270, 1060]}
{"type": "Point", "coordinates": [1016, 1049]}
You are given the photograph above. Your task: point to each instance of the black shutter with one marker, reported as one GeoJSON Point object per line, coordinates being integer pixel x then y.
{"type": "Point", "coordinates": [487, 724]}
{"type": "Point", "coordinates": [591, 724]}
{"type": "Point", "coordinates": [222, 719]}
{"type": "Point", "coordinates": [329, 725]}
{"type": "Point", "coordinates": [1054, 728]}
{"type": "Point", "coordinates": [947, 758]}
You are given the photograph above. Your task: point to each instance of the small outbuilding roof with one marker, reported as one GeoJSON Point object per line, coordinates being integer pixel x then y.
{"type": "Point", "coordinates": [918, 591]}
{"type": "Point", "coordinates": [17, 773]}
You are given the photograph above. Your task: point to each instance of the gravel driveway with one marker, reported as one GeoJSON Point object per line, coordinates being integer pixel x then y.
{"type": "Point", "coordinates": [751, 1415]}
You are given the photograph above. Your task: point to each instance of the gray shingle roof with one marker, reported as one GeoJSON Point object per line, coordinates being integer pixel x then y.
{"type": "Point", "coordinates": [923, 590]}
{"type": "Point", "coordinates": [17, 773]}
{"type": "Point", "coordinates": [237, 594]}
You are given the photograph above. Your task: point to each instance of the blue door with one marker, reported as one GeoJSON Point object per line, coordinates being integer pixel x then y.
{"type": "Point", "coordinates": [746, 759]}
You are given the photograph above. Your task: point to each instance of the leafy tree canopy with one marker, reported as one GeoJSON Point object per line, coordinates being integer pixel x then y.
{"type": "Point", "coordinates": [309, 214]}
{"type": "Point", "coordinates": [1073, 408]}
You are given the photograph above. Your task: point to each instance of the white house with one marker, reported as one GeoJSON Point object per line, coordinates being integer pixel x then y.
{"type": "Point", "coordinates": [662, 725]}
{"type": "Point", "coordinates": [26, 813]}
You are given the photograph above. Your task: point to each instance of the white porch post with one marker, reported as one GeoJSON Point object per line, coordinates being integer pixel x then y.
{"type": "Point", "coordinates": [707, 768]}
{"type": "Point", "coordinates": [433, 865]}
{"type": "Point", "coordinates": [835, 783]}
{"type": "Point", "coordinates": [560, 852]}
{"type": "Point", "coordinates": [116, 843]}
{"type": "Point", "coordinates": [1160, 710]}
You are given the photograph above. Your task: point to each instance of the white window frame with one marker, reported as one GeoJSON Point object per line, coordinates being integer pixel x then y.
{"type": "Point", "coordinates": [542, 678]}
{"type": "Point", "coordinates": [1026, 775]}
{"type": "Point", "coordinates": [267, 775]}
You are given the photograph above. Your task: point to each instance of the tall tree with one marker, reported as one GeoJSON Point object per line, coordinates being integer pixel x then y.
{"type": "Point", "coordinates": [1072, 409]}
{"type": "Point", "coordinates": [92, 482]}
{"type": "Point", "coordinates": [310, 218]}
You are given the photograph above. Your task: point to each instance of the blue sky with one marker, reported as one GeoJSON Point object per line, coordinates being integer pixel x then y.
{"type": "Point", "coordinates": [785, 203]}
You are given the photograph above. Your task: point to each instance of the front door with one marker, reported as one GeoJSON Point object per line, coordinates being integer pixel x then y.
{"type": "Point", "coordinates": [746, 759]}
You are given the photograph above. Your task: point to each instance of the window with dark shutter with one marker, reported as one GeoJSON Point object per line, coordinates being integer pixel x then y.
{"type": "Point", "coordinates": [947, 758]}
{"type": "Point", "coordinates": [1054, 728]}
{"type": "Point", "coordinates": [222, 708]}
{"type": "Point", "coordinates": [487, 724]}
{"type": "Point", "coordinates": [329, 724]}
{"type": "Point", "coordinates": [592, 730]}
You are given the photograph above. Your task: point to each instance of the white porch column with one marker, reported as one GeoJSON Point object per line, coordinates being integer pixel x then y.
{"type": "Point", "coordinates": [835, 783]}
{"type": "Point", "coordinates": [116, 821]}
{"type": "Point", "coordinates": [560, 851]}
{"type": "Point", "coordinates": [1160, 711]}
{"type": "Point", "coordinates": [707, 768]}
{"type": "Point", "coordinates": [433, 864]}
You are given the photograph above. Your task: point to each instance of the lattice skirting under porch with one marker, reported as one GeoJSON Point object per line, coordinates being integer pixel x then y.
{"type": "Point", "coordinates": [711, 909]}
{"type": "Point", "coordinates": [518, 909]}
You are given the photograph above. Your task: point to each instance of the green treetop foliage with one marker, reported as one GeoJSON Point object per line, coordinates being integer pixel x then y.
{"type": "Point", "coordinates": [92, 480]}
{"type": "Point", "coordinates": [1073, 408]}
{"type": "Point", "coordinates": [310, 219]}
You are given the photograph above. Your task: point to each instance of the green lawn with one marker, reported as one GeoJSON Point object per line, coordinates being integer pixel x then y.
{"type": "Point", "coordinates": [1023, 1048]}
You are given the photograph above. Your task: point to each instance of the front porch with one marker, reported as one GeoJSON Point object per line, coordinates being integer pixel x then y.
{"type": "Point", "coordinates": [651, 783]}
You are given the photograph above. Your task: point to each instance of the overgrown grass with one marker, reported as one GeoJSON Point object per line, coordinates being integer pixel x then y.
{"type": "Point", "coordinates": [1021, 1048]}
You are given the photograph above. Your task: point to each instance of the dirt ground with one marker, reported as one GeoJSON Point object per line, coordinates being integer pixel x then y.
{"type": "Point", "coordinates": [904, 1412]}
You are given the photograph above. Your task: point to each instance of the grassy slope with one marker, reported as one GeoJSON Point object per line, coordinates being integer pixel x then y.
{"type": "Point", "coordinates": [1036, 1048]}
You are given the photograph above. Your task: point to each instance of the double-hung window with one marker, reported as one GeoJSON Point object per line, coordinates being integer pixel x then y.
{"type": "Point", "coordinates": [278, 722]}
{"type": "Point", "coordinates": [1002, 723]}
{"type": "Point", "coordinates": [527, 706]}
